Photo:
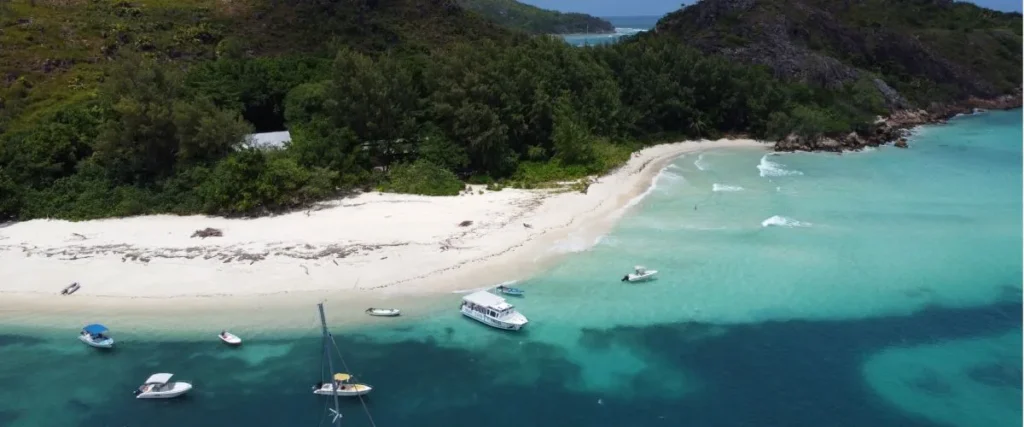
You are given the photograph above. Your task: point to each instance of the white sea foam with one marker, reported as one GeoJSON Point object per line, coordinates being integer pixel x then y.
{"type": "Point", "coordinates": [700, 163]}
{"type": "Point", "coordinates": [770, 168]}
{"type": "Point", "coordinates": [781, 221]}
{"type": "Point", "coordinates": [728, 188]}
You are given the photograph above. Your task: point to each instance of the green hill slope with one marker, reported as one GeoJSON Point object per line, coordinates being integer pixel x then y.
{"type": "Point", "coordinates": [535, 20]}
{"type": "Point", "coordinates": [927, 50]}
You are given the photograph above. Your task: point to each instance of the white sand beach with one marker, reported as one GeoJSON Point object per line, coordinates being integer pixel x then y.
{"type": "Point", "coordinates": [369, 250]}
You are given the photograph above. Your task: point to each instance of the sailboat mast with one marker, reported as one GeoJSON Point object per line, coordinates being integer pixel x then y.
{"type": "Point", "coordinates": [330, 365]}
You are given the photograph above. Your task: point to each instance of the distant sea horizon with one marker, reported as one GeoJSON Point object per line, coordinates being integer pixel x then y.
{"type": "Point", "coordinates": [624, 26]}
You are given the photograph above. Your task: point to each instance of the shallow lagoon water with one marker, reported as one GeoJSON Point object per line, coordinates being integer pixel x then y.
{"type": "Point", "coordinates": [875, 288]}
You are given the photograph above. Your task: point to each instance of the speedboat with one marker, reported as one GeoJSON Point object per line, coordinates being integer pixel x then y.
{"type": "Point", "coordinates": [341, 386]}
{"type": "Point", "coordinates": [158, 386]}
{"type": "Point", "coordinates": [508, 290]}
{"type": "Point", "coordinates": [639, 274]}
{"type": "Point", "coordinates": [383, 312]}
{"type": "Point", "coordinates": [492, 310]}
{"type": "Point", "coordinates": [95, 336]}
{"type": "Point", "coordinates": [229, 338]}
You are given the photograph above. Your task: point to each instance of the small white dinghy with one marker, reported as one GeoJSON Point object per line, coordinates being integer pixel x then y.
{"type": "Point", "coordinates": [158, 386]}
{"type": "Point", "coordinates": [95, 336]}
{"type": "Point", "coordinates": [383, 312]}
{"type": "Point", "coordinates": [639, 274]}
{"type": "Point", "coordinates": [229, 338]}
{"type": "Point", "coordinates": [341, 387]}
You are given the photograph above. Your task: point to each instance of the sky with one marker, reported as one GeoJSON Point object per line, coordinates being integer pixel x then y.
{"type": "Point", "coordinates": [661, 7]}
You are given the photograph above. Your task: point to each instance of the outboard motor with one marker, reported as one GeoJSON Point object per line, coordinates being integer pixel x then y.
{"type": "Point", "coordinates": [625, 278]}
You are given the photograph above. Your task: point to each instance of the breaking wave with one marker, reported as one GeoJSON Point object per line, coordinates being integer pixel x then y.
{"type": "Point", "coordinates": [770, 168]}
{"type": "Point", "coordinates": [781, 221]}
{"type": "Point", "coordinates": [722, 187]}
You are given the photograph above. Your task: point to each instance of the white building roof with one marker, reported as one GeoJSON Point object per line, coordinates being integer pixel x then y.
{"type": "Point", "coordinates": [159, 378]}
{"type": "Point", "coordinates": [267, 140]}
{"type": "Point", "coordinates": [487, 299]}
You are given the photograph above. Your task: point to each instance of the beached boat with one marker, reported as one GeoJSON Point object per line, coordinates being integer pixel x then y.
{"type": "Point", "coordinates": [341, 384]}
{"type": "Point", "coordinates": [158, 386]}
{"type": "Point", "coordinates": [492, 310]}
{"type": "Point", "coordinates": [95, 336]}
{"type": "Point", "coordinates": [383, 312]}
{"type": "Point", "coordinates": [70, 289]}
{"type": "Point", "coordinates": [508, 290]}
{"type": "Point", "coordinates": [640, 274]}
{"type": "Point", "coordinates": [229, 338]}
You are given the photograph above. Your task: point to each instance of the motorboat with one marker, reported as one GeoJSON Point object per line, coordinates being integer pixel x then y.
{"type": "Point", "coordinates": [492, 310]}
{"type": "Point", "coordinates": [159, 386]}
{"type": "Point", "coordinates": [95, 335]}
{"type": "Point", "coordinates": [229, 338]}
{"type": "Point", "coordinates": [341, 384]}
{"type": "Point", "coordinates": [639, 274]}
{"type": "Point", "coordinates": [508, 290]}
{"type": "Point", "coordinates": [383, 312]}
{"type": "Point", "coordinates": [342, 387]}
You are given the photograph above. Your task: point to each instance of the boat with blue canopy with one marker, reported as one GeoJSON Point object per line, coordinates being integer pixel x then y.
{"type": "Point", "coordinates": [95, 335]}
{"type": "Point", "coordinates": [508, 290]}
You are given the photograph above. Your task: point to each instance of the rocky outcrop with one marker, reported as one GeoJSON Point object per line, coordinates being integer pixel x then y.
{"type": "Point", "coordinates": [896, 127]}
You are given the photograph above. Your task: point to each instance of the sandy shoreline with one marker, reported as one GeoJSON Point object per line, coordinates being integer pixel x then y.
{"type": "Point", "coordinates": [371, 250]}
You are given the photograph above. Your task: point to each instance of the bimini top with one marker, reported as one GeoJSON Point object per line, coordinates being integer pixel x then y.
{"type": "Point", "coordinates": [487, 299]}
{"type": "Point", "coordinates": [95, 329]}
{"type": "Point", "coordinates": [159, 378]}
{"type": "Point", "coordinates": [342, 377]}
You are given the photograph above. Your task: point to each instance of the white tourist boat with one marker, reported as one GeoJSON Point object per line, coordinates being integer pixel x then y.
{"type": "Point", "coordinates": [95, 336]}
{"type": "Point", "coordinates": [639, 274]}
{"type": "Point", "coordinates": [229, 338]}
{"type": "Point", "coordinates": [159, 386]}
{"type": "Point", "coordinates": [492, 310]}
{"type": "Point", "coordinates": [341, 384]}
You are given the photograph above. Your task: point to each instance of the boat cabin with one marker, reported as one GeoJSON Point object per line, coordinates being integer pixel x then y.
{"type": "Point", "coordinates": [488, 304]}
{"type": "Point", "coordinates": [640, 270]}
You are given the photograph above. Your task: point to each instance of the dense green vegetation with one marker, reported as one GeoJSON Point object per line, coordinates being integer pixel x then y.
{"type": "Point", "coordinates": [513, 14]}
{"type": "Point", "coordinates": [927, 50]}
{"type": "Point", "coordinates": [160, 130]}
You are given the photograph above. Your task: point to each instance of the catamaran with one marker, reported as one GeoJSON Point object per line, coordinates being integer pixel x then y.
{"type": "Point", "coordinates": [492, 310]}
{"type": "Point", "coordinates": [94, 336]}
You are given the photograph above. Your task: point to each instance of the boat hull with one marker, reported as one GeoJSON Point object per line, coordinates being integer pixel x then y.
{"type": "Point", "coordinates": [641, 277]}
{"type": "Point", "coordinates": [176, 390]}
{"type": "Point", "coordinates": [383, 312]}
{"type": "Point", "coordinates": [492, 322]}
{"type": "Point", "coordinates": [350, 390]}
{"type": "Point", "coordinates": [231, 339]}
{"type": "Point", "coordinates": [107, 343]}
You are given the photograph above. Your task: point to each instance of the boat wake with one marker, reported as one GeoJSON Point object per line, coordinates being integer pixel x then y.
{"type": "Point", "coordinates": [725, 188]}
{"type": "Point", "coordinates": [781, 221]}
{"type": "Point", "coordinates": [769, 168]}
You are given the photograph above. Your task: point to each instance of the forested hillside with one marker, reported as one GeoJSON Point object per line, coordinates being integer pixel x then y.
{"type": "Point", "coordinates": [919, 51]}
{"type": "Point", "coordinates": [113, 108]}
{"type": "Point", "coordinates": [535, 20]}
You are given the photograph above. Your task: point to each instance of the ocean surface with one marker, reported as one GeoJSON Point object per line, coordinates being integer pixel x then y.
{"type": "Point", "coordinates": [624, 26]}
{"type": "Point", "coordinates": [879, 288]}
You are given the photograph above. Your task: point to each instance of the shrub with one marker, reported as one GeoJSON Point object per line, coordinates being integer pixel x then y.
{"type": "Point", "coordinates": [423, 177]}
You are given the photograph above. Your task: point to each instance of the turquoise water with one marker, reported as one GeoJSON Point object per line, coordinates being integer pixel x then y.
{"type": "Point", "coordinates": [880, 288]}
{"type": "Point", "coordinates": [624, 26]}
